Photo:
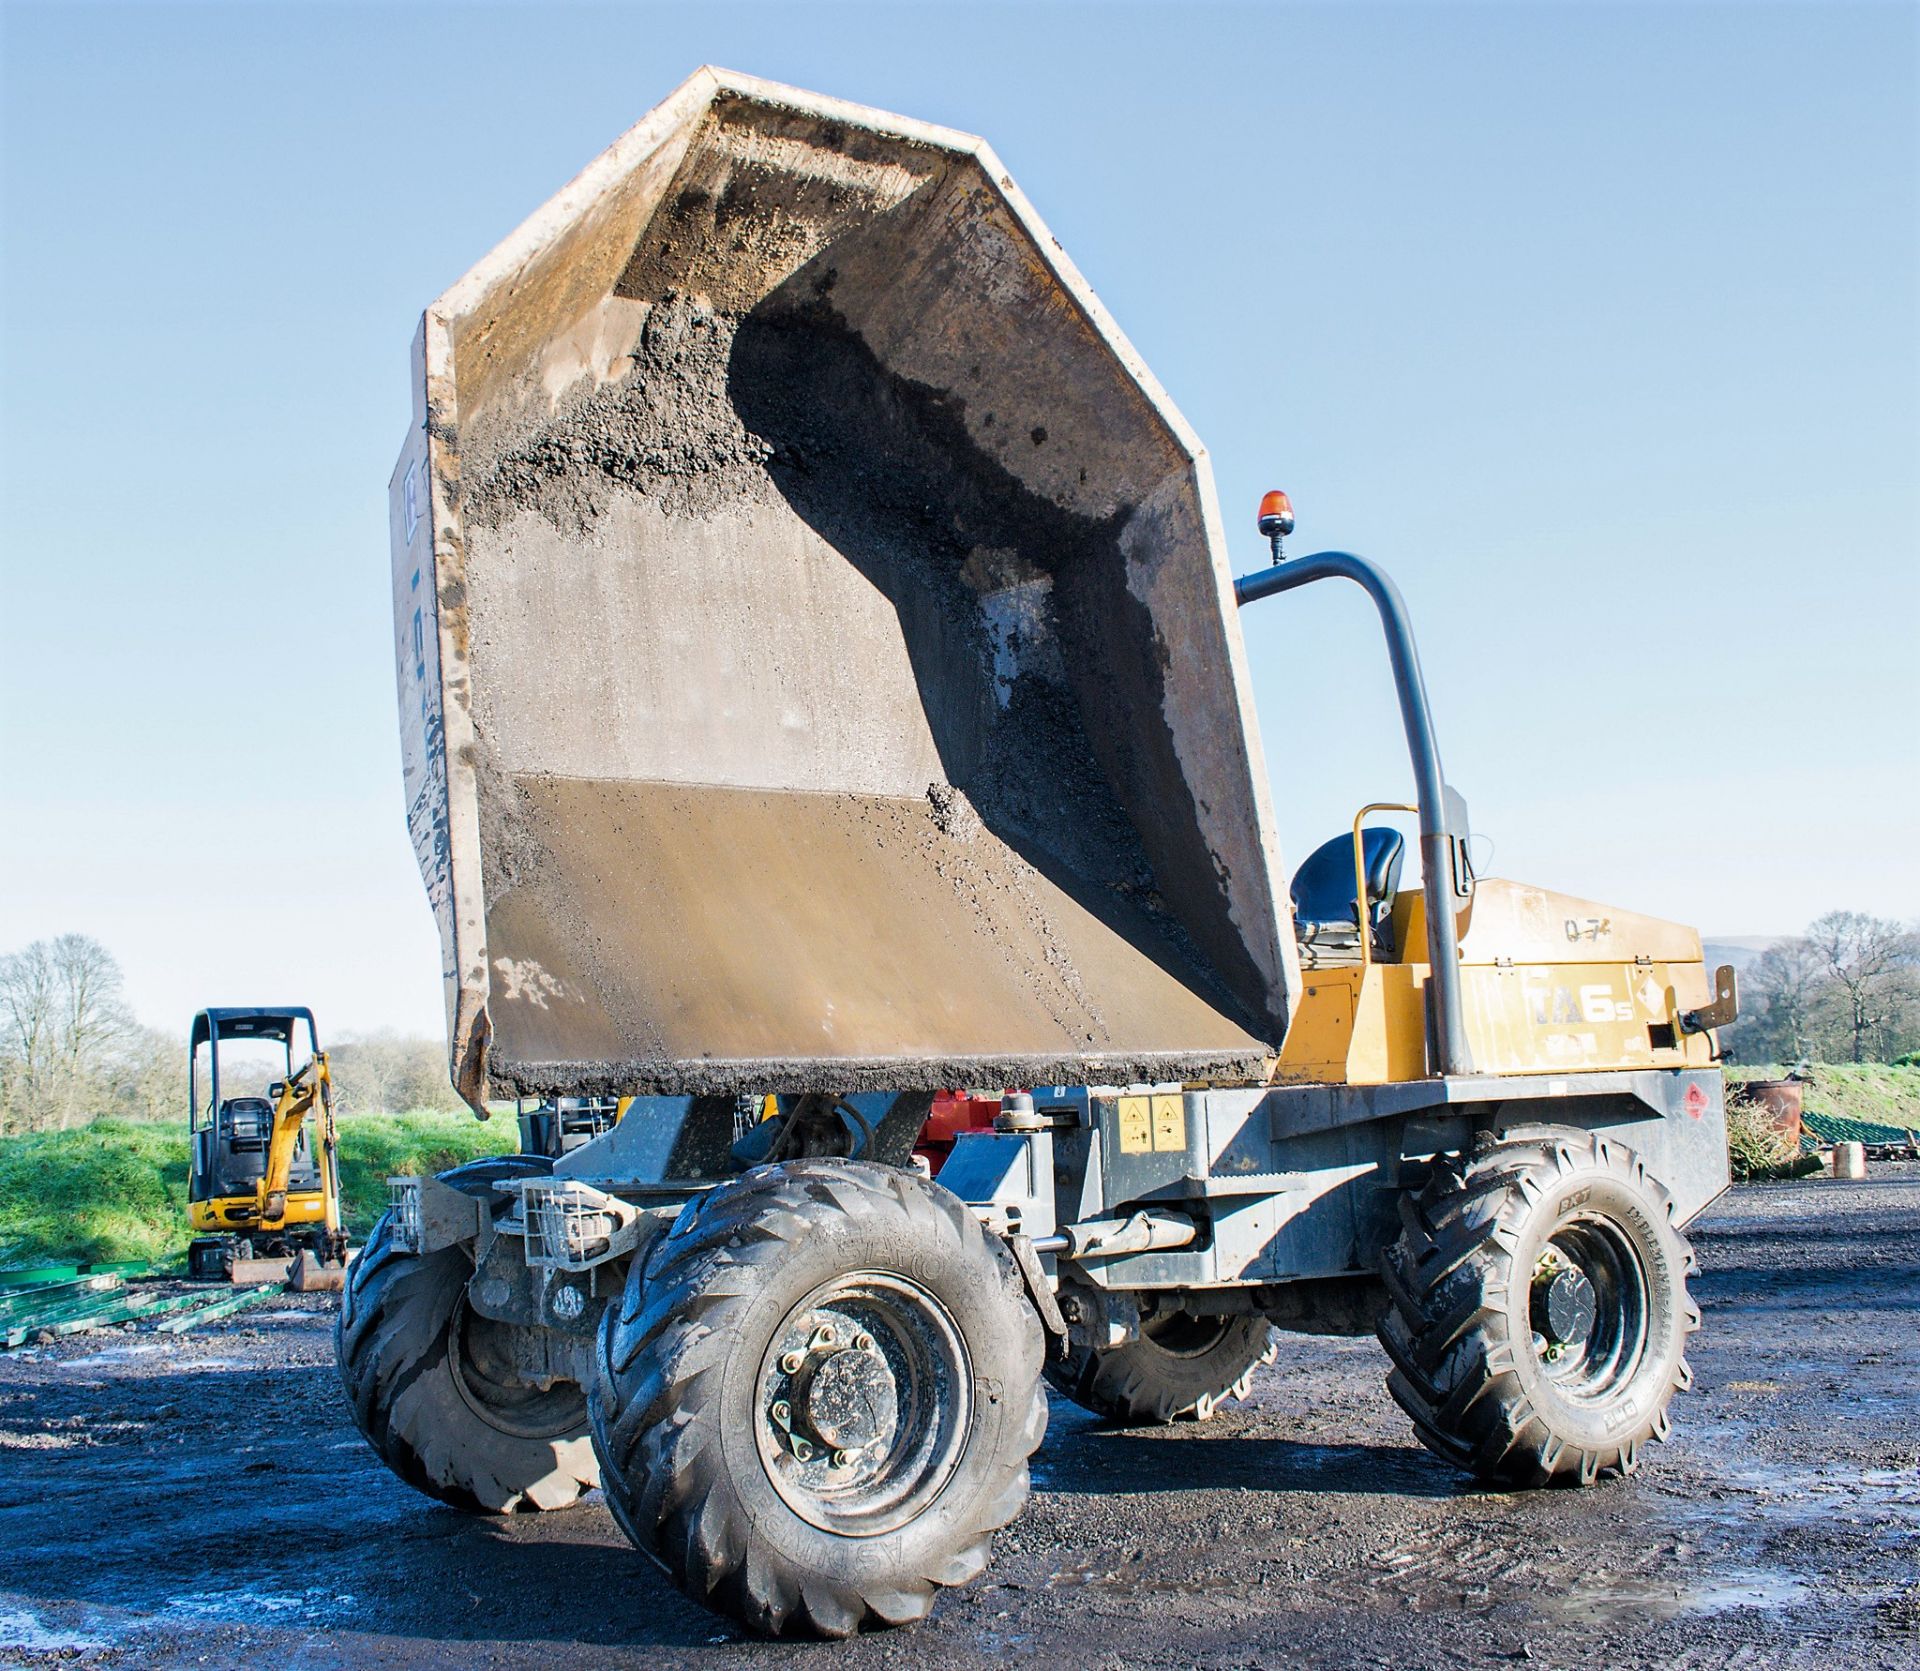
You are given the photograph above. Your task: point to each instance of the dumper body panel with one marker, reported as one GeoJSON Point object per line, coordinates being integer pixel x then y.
{"type": "Point", "coordinates": [818, 666]}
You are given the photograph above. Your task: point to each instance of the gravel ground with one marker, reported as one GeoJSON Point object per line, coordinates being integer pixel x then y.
{"type": "Point", "coordinates": [204, 1501]}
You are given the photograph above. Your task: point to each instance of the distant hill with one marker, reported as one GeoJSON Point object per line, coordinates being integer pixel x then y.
{"type": "Point", "coordinates": [1739, 951]}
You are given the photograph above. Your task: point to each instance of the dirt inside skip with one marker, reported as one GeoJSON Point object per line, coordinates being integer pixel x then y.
{"type": "Point", "coordinates": [789, 406]}
{"type": "Point", "coordinates": [1026, 646]}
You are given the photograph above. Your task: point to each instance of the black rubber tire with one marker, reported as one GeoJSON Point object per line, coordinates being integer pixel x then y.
{"type": "Point", "coordinates": [1468, 1364]}
{"type": "Point", "coordinates": [1180, 1367]}
{"type": "Point", "coordinates": [675, 1402]}
{"type": "Point", "coordinates": [396, 1342]}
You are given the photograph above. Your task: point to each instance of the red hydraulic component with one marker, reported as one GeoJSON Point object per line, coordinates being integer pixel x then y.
{"type": "Point", "coordinates": [954, 1112]}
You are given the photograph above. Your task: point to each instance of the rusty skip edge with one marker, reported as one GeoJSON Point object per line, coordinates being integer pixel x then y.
{"type": "Point", "coordinates": [841, 1075]}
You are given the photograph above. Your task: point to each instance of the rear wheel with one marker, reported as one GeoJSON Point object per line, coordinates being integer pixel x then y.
{"type": "Point", "coordinates": [816, 1404]}
{"type": "Point", "coordinates": [433, 1383]}
{"type": "Point", "coordinates": [1540, 1310]}
{"type": "Point", "coordinates": [1181, 1366]}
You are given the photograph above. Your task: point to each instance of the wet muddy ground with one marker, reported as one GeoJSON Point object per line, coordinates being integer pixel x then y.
{"type": "Point", "coordinates": [205, 1502]}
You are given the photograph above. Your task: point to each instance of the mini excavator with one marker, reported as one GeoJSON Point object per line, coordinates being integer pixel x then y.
{"type": "Point", "coordinates": [264, 1174]}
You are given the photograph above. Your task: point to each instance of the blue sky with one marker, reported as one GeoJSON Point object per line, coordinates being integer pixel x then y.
{"type": "Point", "coordinates": [1597, 325]}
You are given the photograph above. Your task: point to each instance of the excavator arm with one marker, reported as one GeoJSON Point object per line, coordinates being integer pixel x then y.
{"type": "Point", "coordinates": [309, 1090]}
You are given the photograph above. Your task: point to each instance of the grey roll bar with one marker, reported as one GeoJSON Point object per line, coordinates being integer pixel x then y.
{"type": "Point", "coordinates": [1437, 863]}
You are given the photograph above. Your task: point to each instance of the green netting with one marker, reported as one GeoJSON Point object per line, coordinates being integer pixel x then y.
{"type": "Point", "coordinates": [1837, 1128]}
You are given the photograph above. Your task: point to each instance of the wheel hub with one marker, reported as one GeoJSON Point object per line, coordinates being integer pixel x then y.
{"type": "Point", "coordinates": [866, 1403]}
{"type": "Point", "coordinates": [496, 1369]}
{"type": "Point", "coordinates": [850, 1400]}
{"type": "Point", "coordinates": [1563, 1305]}
{"type": "Point", "coordinates": [837, 1396]}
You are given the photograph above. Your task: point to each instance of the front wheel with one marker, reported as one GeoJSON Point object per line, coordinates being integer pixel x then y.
{"type": "Point", "coordinates": [1540, 1312]}
{"type": "Point", "coordinates": [816, 1404]}
{"type": "Point", "coordinates": [435, 1386]}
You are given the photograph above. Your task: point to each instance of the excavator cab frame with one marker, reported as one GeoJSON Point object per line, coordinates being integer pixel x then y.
{"type": "Point", "coordinates": [259, 1183]}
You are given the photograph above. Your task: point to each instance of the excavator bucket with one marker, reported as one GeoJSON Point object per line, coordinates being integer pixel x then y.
{"type": "Point", "coordinates": [817, 658]}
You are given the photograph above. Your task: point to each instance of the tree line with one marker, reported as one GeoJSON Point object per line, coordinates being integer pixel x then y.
{"type": "Point", "coordinates": [71, 1050]}
{"type": "Point", "coordinates": [1847, 990]}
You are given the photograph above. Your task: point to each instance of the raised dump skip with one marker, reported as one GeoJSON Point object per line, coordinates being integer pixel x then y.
{"type": "Point", "coordinates": [817, 663]}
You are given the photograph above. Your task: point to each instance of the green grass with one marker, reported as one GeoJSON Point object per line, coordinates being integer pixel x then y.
{"type": "Point", "coordinates": [117, 1189]}
{"type": "Point", "coordinates": [376, 1147]}
{"type": "Point", "coordinates": [1872, 1092]}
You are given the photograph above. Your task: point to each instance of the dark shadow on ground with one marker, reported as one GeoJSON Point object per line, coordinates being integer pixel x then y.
{"type": "Point", "coordinates": [1084, 1456]}
{"type": "Point", "coordinates": [1862, 1289]}
{"type": "Point", "coordinates": [162, 1521]}
{"type": "Point", "coordinates": [1765, 1232]}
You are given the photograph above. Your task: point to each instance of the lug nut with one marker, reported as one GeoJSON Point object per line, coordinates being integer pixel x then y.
{"type": "Point", "coordinates": [802, 1449]}
{"type": "Point", "coordinates": [864, 1342]}
{"type": "Point", "coordinates": [792, 1362]}
{"type": "Point", "coordinates": [842, 1459]}
{"type": "Point", "coordinates": [782, 1412]}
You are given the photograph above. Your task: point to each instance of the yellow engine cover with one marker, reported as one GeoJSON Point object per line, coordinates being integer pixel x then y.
{"type": "Point", "coordinates": [1549, 984]}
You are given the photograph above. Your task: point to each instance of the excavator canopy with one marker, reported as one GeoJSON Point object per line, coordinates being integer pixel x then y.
{"type": "Point", "coordinates": [817, 659]}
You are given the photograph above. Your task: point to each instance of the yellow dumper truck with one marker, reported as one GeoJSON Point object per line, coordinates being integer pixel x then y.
{"type": "Point", "coordinates": [821, 688]}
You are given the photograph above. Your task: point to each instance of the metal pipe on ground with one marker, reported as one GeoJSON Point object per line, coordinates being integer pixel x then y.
{"type": "Point", "coordinates": [37, 1276]}
{"type": "Point", "coordinates": [66, 1317]}
{"type": "Point", "coordinates": [227, 1306]}
{"type": "Point", "coordinates": [20, 1301]}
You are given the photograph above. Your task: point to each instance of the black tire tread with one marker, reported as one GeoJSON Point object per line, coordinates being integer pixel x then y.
{"type": "Point", "coordinates": [379, 1354]}
{"type": "Point", "coordinates": [1446, 1330]}
{"type": "Point", "coordinates": [660, 1345]}
{"type": "Point", "coordinates": [1141, 1385]}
